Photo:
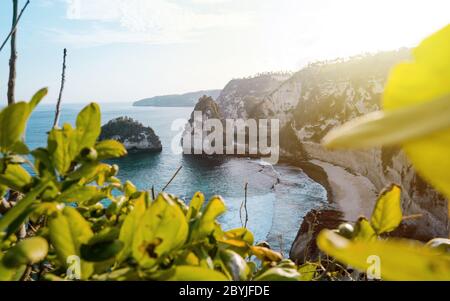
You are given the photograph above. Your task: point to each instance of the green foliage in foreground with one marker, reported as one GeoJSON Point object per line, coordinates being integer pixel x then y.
{"type": "Point", "coordinates": [73, 235]}
{"type": "Point", "coordinates": [416, 116]}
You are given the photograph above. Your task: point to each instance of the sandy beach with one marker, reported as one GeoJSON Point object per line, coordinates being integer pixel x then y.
{"type": "Point", "coordinates": [355, 195]}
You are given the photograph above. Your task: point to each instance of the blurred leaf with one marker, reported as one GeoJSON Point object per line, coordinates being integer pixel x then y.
{"type": "Point", "coordinates": [88, 125]}
{"type": "Point", "coordinates": [400, 259]}
{"type": "Point", "coordinates": [28, 251]}
{"type": "Point", "coordinates": [279, 274]}
{"type": "Point", "coordinates": [307, 272]}
{"type": "Point", "coordinates": [15, 177]}
{"type": "Point", "coordinates": [129, 228]}
{"type": "Point", "coordinates": [68, 231]}
{"type": "Point", "coordinates": [81, 194]}
{"type": "Point", "coordinates": [100, 251]}
{"type": "Point", "coordinates": [189, 273]}
{"type": "Point", "coordinates": [11, 274]}
{"type": "Point", "coordinates": [13, 121]}
{"type": "Point", "coordinates": [387, 214]}
{"type": "Point", "coordinates": [235, 265]}
{"type": "Point", "coordinates": [440, 244]}
{"type": "Point", "coordinates": [266, 254]}
{"type": "Point", "coordinates": [364, 231]}
{"type": "Point", "coordinates": [163, 228]}
{"type": "Point", "coordinates": [109, 149]}
{"type": "Point", "coordinates": [391, 127]}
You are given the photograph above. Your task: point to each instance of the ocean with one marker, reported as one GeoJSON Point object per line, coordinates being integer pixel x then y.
{"type": "Point", "coordinates": [278, 196]}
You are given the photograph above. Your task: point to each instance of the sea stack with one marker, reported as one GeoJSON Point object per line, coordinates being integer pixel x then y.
{"type": "Point", "coordinates": [132, 134]}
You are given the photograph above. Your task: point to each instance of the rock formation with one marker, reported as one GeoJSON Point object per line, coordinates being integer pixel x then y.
{"type": "Point", "coordinates": [132, 134]}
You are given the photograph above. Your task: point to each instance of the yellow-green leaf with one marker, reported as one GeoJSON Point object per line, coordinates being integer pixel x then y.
{"type": "Point", "coordinates": [400, 260]}
{"type": "Point", "coordinates": [109, 149]}
{"type": "Point", "coordinates": [279, 274]}
{"type": "Point", "coordinates": [190, 273]}
{"type": "Point", "coordinates": [13, 121]}
{"type": "Point", "coordinates": [387, 214]}
{"type": "Point", "coordinates": [88, 125]}
{"type": "Point", "coordinates": [235, 265]}
{"type": "Point", "coordinates": [129, 227]}
{"type": "Point", "coordinates": [206, 224]}
{"type": "Point", "coordinates": [163, 228]}
{"type": "Point", "coordinates": [195, 205]}
{"type": "Point", "coordinates": [15, 177]}
{"type": "Point", "coordinates": [28, 251]}
{"type": "Point", "coordinates": [364, 231]}
{"type": "Point", "coordinates": [68, 231]}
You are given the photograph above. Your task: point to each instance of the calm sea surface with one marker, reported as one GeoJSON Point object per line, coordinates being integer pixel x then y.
{"type": "Point", "coordinates": [275, 210]}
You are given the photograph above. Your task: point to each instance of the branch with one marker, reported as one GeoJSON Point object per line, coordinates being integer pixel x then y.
{"type": "Point", "coordinates": [176, 173]}
{"type": "Point", "coordinates": [63, 80]}
{"type": "Point", "coordinates": [13, 30]}
{"type": "Point", "coordinates": [13, 57]}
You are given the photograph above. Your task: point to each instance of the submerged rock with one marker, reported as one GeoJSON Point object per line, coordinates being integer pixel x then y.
{"type": "Point", "coordinates": [132, 134]}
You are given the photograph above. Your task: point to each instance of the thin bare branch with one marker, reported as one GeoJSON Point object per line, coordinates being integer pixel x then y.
{"type": "Point", "coordinates": [63, 81]}
{"type": "Point", "coordinates": [13, 57]}
{"type": "Point", "coordinates": [173, 177]}
{"type": "Point", "coordinates": [14, 28]}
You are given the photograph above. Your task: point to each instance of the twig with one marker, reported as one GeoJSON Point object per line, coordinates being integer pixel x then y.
{"type": "Point", "coordinates": [244, 205]}
{"type": "Point", "coordinates": [13, 57]}
{"type": "Point", "coordinates": [63, 80]}
{"type": "Point", "coordinates": [13, 30]}
{"type": "Point", "coordinates": [153, 192]}
{"type": "Point", "coordinates": [173, 177]}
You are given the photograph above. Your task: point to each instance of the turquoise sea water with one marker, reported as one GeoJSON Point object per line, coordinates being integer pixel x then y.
{"type": "Point", "coordinates": [275, 210]}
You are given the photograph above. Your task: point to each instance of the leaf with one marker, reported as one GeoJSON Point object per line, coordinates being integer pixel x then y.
{"type": "Point", "coordinates": [265, 254]}
{"type": "Point", "coordinates": [81, 194]}
{"type": "Point", "coordinates": [387, 214]}
{"type": "Point", "coordinates": [63, 147]}
{"type": "Point", "coordinates": [13, 120]}
{"type": "Point", "coordinates": [68, 231]}
{"type": "Point", "coordinates": [88, 125]}
{"type": "Point", "coordinates": [389, 128]}
{"type": "Point", "coordinates": [364, 231]}
{"type": "Point", "coordinates": [195, 205]}
{"type": "Point", "coordinates": [190, 273]}
{"type": "Point", "coordinates": [109, 149]}
{"type": "Point", "coordinates": [441, 244]}
{"type": "Point", "coordinates": [101, 251]}
{"type": "Point", "coordinates": [37, 98]}
{"type": "Point", "coordinates": [162, 229]}
{"type": "Point", "coordinates": [15, 177]}
{"type": "Point", "coordinates": [279, 274]}
{"type": "Point", "coordinates": [400, 260]}
{"type": "Point", "coordinates": [17, 211]}
{"type": "Point", "coordinates": [235, 265]}
{"type": "Point", "coordinates": [11, 274]}
{"type": "Point", "coordinates": [28, 251]}
{"type": "Point", "coordinates": [307, 272]}
{"type": "Point", "coordinates": [206, 224]}
{"type": "Point", "coordinates": [129, 227]}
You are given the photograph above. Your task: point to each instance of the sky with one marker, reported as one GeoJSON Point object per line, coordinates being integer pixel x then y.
{"type": "Point", "coordinates": [126, 50]}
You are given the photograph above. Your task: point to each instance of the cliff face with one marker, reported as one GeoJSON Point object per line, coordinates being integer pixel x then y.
{"type": "Point", "coordinates": [324, 95]}
{"type": "Point", "coordinates": [241, 97]}
{"type": "Point", "coordinates": [132, 134]}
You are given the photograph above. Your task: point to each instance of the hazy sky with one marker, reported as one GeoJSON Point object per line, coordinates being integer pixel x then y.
{"type": "Point", "coordinates": [125, 50]}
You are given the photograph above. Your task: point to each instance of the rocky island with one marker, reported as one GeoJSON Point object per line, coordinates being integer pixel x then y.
{"type": "Point", "coordinates": [132, 134]}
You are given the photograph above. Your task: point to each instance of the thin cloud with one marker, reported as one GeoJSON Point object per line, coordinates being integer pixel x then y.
{"type": "Point", "coordinates": [142, 21]}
